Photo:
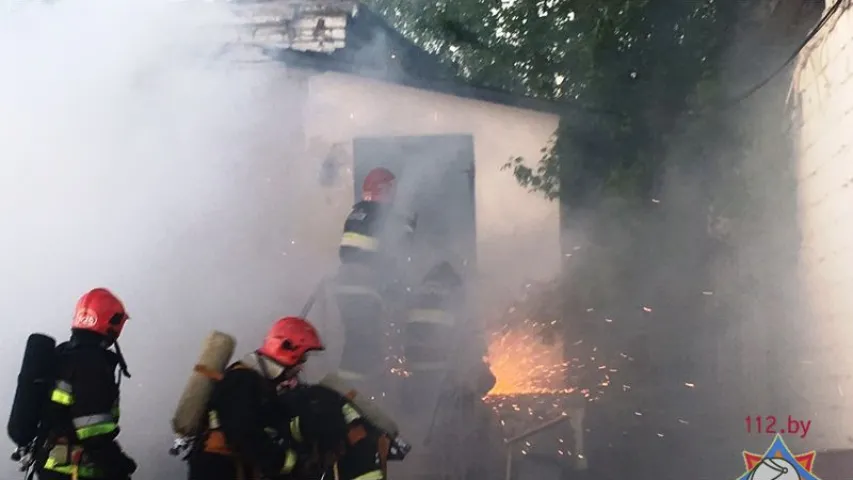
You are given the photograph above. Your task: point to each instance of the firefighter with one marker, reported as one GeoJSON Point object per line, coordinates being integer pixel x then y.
{"type": "Point", "coordinates": [439, 348]}
{"type": "Point", "coordinates": [365, 226]}
{"type": "Point", "coordinates": [368, 282]}
{"type": "Point", "coordinates": [244, 435]}
{"type": "Point", "coordinates": [333, 437]}
{"type": "Point", "coordinates": [445, 359]}
{"type": "Point", "coordinates": [83, 412]}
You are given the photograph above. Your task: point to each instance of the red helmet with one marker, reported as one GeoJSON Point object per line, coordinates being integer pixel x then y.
{"type": "Point", "coordinates": [289, 340]}
{"type": "Point", "coordinates": [378, 186]}
{"type": "Point", "coordinates": [101, 312]}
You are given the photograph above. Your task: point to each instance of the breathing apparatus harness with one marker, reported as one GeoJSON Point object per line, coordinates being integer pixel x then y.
{"type": "Point", "coordinates": [27, 455]}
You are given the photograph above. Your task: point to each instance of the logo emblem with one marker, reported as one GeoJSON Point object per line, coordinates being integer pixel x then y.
{"type": "Point", "coordinates": [778, 463]}
{"type": "Point", "coordinates": [85, 319]}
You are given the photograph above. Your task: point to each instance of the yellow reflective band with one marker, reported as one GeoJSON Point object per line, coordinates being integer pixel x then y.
{"type": "Point", "coordinates": [374, 475]}
{"type": "Point", "coordinates": [68, 469]}
{"type": "Point", "coordinates": [347, 375]}
{"type": "Point", "coordinates": [360, 291]}
{"type": "Point", "coordinates": [61, 397]}
{"type": "Point", "coordinates": [90, 420]}
{"type": "Point", "coordinates": [357, 240]}
{"type": "Point", "coordinates": [289, 462]}
{"type": "Point", "coordinates": [61, 394]}
{"type": "Point", "coordinates": [95, 430]}
{"type": "Point", "coordinates": [213, 420]}
{"type": "Point", "coordinates": [295, 432]}
{"type": "Point", "coordinates": [357, 290]}
{"type": "Point", "coordinates": [433, 316]}
{"type": "Point", "coordinates": [350, 413]}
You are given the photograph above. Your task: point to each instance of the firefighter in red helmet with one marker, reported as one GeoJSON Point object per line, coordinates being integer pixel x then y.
{"type": "Point", "coordinates": [83, 413]}
{"type": "Point", "coordinates": [366, 221]}
{"type": "Point", "coordinates": [243, 435]}
{"type": "Point", "coordinates": [370, 277]}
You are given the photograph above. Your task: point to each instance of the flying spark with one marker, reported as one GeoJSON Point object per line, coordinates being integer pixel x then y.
{"type": "Point", "coordinates": [523, 363]}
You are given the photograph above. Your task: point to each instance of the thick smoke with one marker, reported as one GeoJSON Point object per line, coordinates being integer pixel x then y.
{"type": "Point", "coordinates": [135, 157]}
{"type": "Point", "coordinates": [139, 156]}
{"type": "Point", "coordinates": [719, 276]}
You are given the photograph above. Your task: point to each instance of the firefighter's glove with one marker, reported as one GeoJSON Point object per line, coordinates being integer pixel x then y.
{"type": "Point", "coordinates": [121, 466]}
{"type": "Point", "coordinates": [411, 224]}
{"type": "Point", "coordinates": [129, 465]}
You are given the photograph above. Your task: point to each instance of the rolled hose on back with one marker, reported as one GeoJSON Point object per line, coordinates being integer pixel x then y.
{"type": "Point", "coordinates": [215, 355]}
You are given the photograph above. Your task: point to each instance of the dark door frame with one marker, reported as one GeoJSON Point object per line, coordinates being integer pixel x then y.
{"type": "Point", "coordinates": [467, 139]}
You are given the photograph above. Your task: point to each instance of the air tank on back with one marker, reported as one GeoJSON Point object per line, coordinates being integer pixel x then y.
{"type": "Point", "coordinates": [35, 382]}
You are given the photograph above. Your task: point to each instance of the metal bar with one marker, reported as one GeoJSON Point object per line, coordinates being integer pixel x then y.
{"type": "Point", "coordinates": [313, 298]}
{"type": "Point", "coordinates": [536, 430]}
{"type": "Point", "coordinates": [576, 421]}
{"type": "Point", "coordinates": [510, 441]}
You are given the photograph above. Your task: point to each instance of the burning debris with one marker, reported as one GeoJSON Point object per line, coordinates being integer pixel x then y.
{"type": "Point", "coordinates": [532, 388]}
{"type": "Point", "coordinates": [522, 413]}
{"type": "Point", "coordinates": [524, 364]}
{"type": "Point", "coordinates": [530, 353]}
{"type": "Point", "coordinates": [533, 383]}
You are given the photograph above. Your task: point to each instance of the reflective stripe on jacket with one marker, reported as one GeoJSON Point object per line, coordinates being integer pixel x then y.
{"type": "Point", "coordinates": [433, 316]}
{"type": "Point", "coordinates": [214, 440]}
{"type": "Point", "coordinates": [357, 240]}
{"type": "Point", "coordinates": [71, 461]}
{"type": "Point", "coordinates": [429, 333]}
{"type": "Point", "coordinates": [90, 425]}
{"type": "Point", "coordinates": [374, 475]}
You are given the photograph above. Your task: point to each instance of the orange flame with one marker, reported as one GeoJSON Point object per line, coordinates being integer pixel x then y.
{"type": "Point", "coordinates": [524, 364]}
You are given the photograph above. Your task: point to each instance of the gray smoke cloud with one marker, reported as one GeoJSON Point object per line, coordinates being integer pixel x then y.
{"type": "Point", "coordinates": [133, 157]}
{"type": "Point", "coordinates": [719, 272]}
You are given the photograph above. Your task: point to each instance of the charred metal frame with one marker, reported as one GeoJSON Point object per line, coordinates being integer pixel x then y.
{"type": "Point", "coordinates": [576, 421]}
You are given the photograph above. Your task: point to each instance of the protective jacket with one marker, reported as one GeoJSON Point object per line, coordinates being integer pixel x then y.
{"type": "Point", "coordinates": [433, 327]}
{"type": "Point", "coordinates": [332, 435]}
{"type": "Point", "coordinates": [439, 339]}
{"type": "Point", "coordinates": [360, 297]}
{"type": "Point", "coordinates": [367, 284]}
{"type": "Point", "coordinates": [83, 414]}
{"type": "Point", "coordinates": [243, 437]}
{"type": "Point", "coordinates": [367, 227]}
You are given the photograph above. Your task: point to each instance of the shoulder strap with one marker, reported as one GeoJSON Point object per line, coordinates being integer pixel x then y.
{"type": "Point", "coordinates": [213, 374]}
{"type": "Point", "coordinates": [208, 372]}
{"type": "Point", "coordinates": [122, 364]}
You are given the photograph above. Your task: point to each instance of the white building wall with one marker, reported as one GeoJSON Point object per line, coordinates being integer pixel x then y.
{"type": "Point", "coordinates": [823, 92]}
{"type": "Point", "coordinates": [517, 232]}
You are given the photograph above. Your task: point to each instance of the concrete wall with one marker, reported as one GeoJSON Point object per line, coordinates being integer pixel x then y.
{"type": "Point", "coordinates": [822, 95]}
{"type": "Point", "coordinates": [786, 341]}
